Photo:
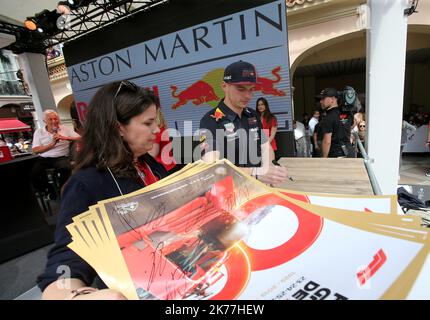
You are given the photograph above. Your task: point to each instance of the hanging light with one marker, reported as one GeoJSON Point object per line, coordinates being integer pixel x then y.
{"type": "Point", "coordinates": [30, 23]}
{"type": "Point", "coordinates": [44, 22]}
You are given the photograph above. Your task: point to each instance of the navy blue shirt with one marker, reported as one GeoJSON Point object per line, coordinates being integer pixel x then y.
{"type": "Point", "coordinates": [238, 139]}
{"type": "Point", "coordinates": [84, 189]}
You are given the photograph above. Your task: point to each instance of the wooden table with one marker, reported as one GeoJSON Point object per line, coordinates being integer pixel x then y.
{"type": "Point", "coordinates": [332, 175]}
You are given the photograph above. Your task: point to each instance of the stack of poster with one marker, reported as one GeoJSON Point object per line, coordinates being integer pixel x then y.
{"type": "Point", "coordinates": [210, 231]}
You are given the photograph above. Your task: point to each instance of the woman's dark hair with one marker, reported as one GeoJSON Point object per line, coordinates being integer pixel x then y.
{"type": "Point", "coordinates": [267, 114]}
{"type": "Point", "coordinates": [102, 145]}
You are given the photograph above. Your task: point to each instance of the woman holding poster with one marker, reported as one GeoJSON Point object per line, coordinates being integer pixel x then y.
{"type": "Point", "coordinates": [120, 129]}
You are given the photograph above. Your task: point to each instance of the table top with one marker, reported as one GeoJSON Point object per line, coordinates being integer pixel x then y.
{"type": "Point", "coordinates": [327, 175]}
{"type": "Point", "coordinates": [24, 157]}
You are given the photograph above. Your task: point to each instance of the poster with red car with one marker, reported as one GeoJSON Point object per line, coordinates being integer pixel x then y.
{"type": "Point", "coordinates": [216, 233]}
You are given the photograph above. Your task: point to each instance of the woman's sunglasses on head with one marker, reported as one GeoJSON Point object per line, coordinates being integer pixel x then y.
{"type": "Point", "coordinates": [130, 86]}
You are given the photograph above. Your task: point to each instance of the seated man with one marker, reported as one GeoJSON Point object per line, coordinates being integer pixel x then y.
{"type": "Point", "coordinates": [52, 144]}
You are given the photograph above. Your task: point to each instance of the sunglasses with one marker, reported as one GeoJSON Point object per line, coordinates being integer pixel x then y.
{"type": "Point", "coordinates": [130, 86]}
{"type": "Point", "coordinates": [362, 126]}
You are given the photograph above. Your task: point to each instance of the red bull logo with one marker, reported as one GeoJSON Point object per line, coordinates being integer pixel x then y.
{"type": "Point", "coordinates": [267, 86]}
{"type": "Point", "coordinates": [208, 90]}
{"type": "Point", "coordinates": [198, 93]}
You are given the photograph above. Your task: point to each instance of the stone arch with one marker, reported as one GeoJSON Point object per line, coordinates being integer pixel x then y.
{"type": "Point", "coordinates": [63, 109]}
{"type": "Point", "coordinates": [332, 42]}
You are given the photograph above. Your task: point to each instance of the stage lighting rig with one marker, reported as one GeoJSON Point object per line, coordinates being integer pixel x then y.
{"type": "Point", "coordinates": [43, 22]}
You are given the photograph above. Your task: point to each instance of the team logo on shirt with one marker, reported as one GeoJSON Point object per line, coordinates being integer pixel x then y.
{"type": "Point", "coordinates": [218, 114]}
{"type": "Point", "coordinates": [229, 127]}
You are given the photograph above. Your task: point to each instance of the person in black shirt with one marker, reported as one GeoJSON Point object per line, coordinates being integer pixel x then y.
{"type": "Point", "coordinates": [234, 131]}
{"type": "Point", "coordinates": [336, 141]}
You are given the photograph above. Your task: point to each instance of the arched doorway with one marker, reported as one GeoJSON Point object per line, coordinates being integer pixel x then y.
{"type": "Point", "coordinates": [334, 63]}
{"type": "Point", "coordinates": [63, 109]}
{"type": "Point", "coordinates": [341, 62]}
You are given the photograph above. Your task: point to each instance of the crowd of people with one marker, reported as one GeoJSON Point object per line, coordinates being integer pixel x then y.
{"type": "Point", "coordinates": [329, 132]}
{"type": "Point", "coordinates": [310, 132]}
{"type": "Point", "coordinates": [417, 118]}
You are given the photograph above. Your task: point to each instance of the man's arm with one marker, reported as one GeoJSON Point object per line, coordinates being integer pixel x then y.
{"type": "Point", "coordinates": [69, 136]}
{"type": "Point", "coordinates": [208, 142]}
{"type": "Point", "coordinates": [42, 149]}
{"type": "Point", "coordinates": [38, 147]}
{"type": "Point", "coordinates": [326, 144]}
{"type": "Point", "coordinates": [273, 134]}
{"type": "Point", "coordinates": [315, 137]}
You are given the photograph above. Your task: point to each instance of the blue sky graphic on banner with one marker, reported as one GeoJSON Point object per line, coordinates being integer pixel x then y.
{"type": "Point", "coordinates": [185, 68]}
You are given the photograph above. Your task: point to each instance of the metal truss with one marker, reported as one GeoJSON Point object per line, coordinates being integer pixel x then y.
{"type": "Point", "coordinates": [25, 40]}
{"type": "Point", "coordinates": [81, 21]}
{"type": "Point", "coordinates": [99, 14]}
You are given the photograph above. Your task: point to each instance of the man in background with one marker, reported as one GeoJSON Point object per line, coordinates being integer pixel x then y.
{"type": "Point", "coordinates": [52, 144]}
{"type": "Point", "coordinates": [336, 141]}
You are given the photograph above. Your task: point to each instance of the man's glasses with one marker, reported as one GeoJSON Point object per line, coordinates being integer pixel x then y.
{"type": "Point", "coordinates": [130, 86]}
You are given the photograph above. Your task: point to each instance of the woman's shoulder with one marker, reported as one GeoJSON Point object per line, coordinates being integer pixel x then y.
{"type": "Point", "coordinates": [87, 173]}
{"type": "Point", "coordinates": [87, 178]}
{"type": "Point", "coordinates": [99, 184]}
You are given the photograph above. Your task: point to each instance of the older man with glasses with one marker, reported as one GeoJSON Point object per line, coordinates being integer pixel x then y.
{"type": "Point", "coordinates": [52, 143]}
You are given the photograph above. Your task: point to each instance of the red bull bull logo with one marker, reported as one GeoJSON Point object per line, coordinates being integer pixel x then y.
{"type": "Point", "coordinates": [208, 90]}
{"type": "Point", "coordinates": [267, 86]}
{"type": "Point", "coordinates": [198, 93]}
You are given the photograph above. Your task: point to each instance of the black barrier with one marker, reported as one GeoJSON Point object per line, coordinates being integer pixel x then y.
{"type": "Point", "coordinates": [23, 227]}
{"type": "Point", "coordinates": [285, 143]}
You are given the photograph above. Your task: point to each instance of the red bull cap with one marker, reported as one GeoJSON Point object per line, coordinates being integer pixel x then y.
{"type": "Point", "coordinates": [240, 72]}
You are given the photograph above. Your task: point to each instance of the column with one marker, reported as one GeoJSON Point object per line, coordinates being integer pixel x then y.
{"type": "Point", "coordinates": [36, 75]}
{"type": "Point", "coordinates": [386, 55]}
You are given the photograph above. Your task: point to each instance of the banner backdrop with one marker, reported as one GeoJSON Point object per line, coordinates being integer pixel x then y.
{"type": "Point", "coordinates": [185, 67]}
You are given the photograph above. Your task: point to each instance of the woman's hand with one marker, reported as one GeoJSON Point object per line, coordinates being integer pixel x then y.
{"type": "Point", "coordinates": [105, 294]}
{"type": "Point", "coordinates": [75, 289]}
